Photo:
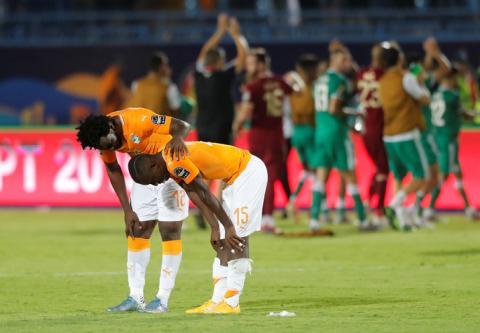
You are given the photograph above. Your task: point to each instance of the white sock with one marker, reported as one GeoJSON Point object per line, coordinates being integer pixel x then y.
{"type": "Point", "coordinates": [267, 220]}
{"type": "Point", "coordinates": [237, 270]}
{"type": "Point", "coordinates": [171, 259]}
{"type": "Point", "coordinates": [137, 263]}
{"type": "Point", "coordinates": [398, 199]}
{"type": "Point", "coordinates": [219, 276]}
{"type": "Point", "coordinates": [340, 203]}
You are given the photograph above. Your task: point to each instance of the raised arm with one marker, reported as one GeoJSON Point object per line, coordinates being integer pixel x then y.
{"type": "Point", "coordinates": [434, 53]}
{"type": "Point", "coordinates": [206, 199]}
{"type": "Point", "coordinates": [214, 40]}
{"type": "Point", "coordinates": [241, 44]}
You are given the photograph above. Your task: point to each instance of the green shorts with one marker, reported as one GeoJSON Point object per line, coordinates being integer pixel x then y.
{"type": "Point", "coordinates": [303, 139]}
{"type": "Point", "coordinates": [334, 153]}
{"type": "Point", "coordinates": [430, 147]}
{"type": "Point", "coordinates": [448, 155]}
{"type": "Point", "coordinates": [407, 156]}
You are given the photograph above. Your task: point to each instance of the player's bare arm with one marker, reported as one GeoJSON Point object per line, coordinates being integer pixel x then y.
{"type": "Point", "coordinates": [214, 40]}
{"type": "Point", "coordinates": [176, 146]}
{"type": "Point", "coordinates": [434, 53]}
{"type": "Point", "coordinates": [115, 174]}
{"type": "Point", "coordinates": [241, 44]}
{"type": "Point", "coordinates": [199, 187]}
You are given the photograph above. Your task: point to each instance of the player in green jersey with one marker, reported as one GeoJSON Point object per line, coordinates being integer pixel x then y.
{"type": "Point", "coordinates": [334, 148]}
{"type": "Point", "coordinates": [446, 122]}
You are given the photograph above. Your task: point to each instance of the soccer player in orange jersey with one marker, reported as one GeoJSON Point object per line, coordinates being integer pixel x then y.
{"type": "Point", "coordinates": [245, 176]}
{"type": "Point", "coordinates": [134, 131]}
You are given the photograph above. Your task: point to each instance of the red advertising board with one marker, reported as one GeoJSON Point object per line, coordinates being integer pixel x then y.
{"type": "Point", "coordinates": [49, 168]}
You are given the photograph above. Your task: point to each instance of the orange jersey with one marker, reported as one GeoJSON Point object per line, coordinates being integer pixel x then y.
{"type": "Point", "coordinates": [212, 160]}
{"type": "Point", "coordinates": [143, 132]}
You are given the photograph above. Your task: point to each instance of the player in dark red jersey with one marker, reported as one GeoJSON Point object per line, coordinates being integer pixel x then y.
{"type": "Point", "coordinates": [263, 100]}
{"type": "Point", "coordinates": [367, 86]}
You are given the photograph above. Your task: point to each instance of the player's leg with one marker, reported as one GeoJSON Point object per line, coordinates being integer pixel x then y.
{"type": "Point", "coordinates": [345, 163]}
{"type": "Point", "coordinates": [243, 202]}
{"type": "Point", "coordinates": [143, 202]}
{"type": "Point", "coordinates": [172, 202]}
{"type": "Point", "coordinates": [340, 206]}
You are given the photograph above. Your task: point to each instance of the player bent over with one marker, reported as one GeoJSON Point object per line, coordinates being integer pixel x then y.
{"type": "Point", "coordinates": [133, 131]}
{"type": "Point", "coordinates": [245, 176]}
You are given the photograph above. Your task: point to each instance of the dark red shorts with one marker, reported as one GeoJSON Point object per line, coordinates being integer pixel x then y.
{"type": "Point", "coordinates": [376, 150]}
{"type": "Point", "coordinates": [270, 147]}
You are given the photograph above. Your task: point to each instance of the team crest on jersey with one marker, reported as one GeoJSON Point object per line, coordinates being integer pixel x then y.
{"type": "Point", "coordinates": [158, 119]}
{"type": "Point", "coordinates": [181, 172]}
{"type": "Point", "coordinates": [135, 138]}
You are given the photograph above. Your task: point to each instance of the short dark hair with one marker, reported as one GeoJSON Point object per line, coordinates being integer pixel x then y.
{"type": "Point", "coordinates": [157, 60]}
{"type": "Point", "coordinates": [261, 55]}
{"type": "Point", "coordinates": [213, 56]}
{"type": "Point", "coordinates": [307, 61]}
{"type": "Point", "coordinates": [389, 55]}
{"type": "Point", "coordinates": [137, 165]}
{"type": "Point", "coordinates": [91, 129]}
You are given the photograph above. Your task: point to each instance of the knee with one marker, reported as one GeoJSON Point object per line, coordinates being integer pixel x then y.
{"type": "Point", "coordinates": [170, 230]}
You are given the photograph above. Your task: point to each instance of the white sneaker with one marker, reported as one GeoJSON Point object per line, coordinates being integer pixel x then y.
{"type": "Point", "coordinates": [404, 218]}
{"type": "Point", "coordinates": [471, 213]}
{"type": "Point", "coordinates": [429, 214]}
{"type": "Point", "coordinates": [314, 225]}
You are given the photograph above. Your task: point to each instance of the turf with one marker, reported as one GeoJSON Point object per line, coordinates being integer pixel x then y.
{"type": "Point", "coordinates": [60, 270]}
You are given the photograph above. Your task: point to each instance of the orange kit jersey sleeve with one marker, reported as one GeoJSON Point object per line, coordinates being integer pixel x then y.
{"type": "Point", "coordinates": [217, 161]}
{"type": "Point", "coordinates": [183, 170]}
{"type": "Point", "coordinates": [143, 132]}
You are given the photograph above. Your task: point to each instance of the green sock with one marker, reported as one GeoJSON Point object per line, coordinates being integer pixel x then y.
{"type": "Point", "coordinates": [359, 208]}
{"type": "Point", "coordinates": [341, 209]}
{"type": "Point", "coordinates": [418, 202]}
{"type": "Point", "coordinates": [435, 193]}
{"type": "Point", "coordinates": [317, 200]}
{"type": "Point", "coordinates": [299, 187]}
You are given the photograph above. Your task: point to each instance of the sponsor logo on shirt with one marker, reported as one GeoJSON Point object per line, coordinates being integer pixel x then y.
{"type": "Point", "coordinates": [158, 119]}
{"type": "Point", "coordinates": [181, 172]}
{"type": "Point", "coordinates": [135, 138]}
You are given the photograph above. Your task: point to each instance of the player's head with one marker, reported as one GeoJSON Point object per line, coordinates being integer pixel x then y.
{"type": "Point", "coordinates": [340, 60]}
{"type": "Point", "coordinates": [215, 58]}
{"type": "Point", "coordinates": [391, 55]}
{"type": "Point", "coordinates": [159, 63]}
{"type": "Point", "coordinates": [98, 132]}
{"type": "Point", "coordinates": [307, 64]}
{"type": "Point", "coordinates": [148, 169]}
{"type": "Point", "coordinates": [376, 55]}
{"type": "Point", "coordinates": [258, 61]}
{"type": "Point", "coordinates": [450, 79]}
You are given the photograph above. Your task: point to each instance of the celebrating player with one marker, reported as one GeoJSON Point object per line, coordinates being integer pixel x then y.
{"type": "Point", "coordinates": [446, 122]}
{"type": "Point", "coordinates": [401, 95]}
{"type": "Point", "coordinates": [367, 85]}
{"type": "Point", "coordinates": [245, 177]}
{"type": "Point", "coordinates": [134, 131]}
{"type": "Point", "coordinates": [333, 143]}
{"type": "Point", "coordinates": [263, 104]}
{"type": "Point", "coordinates": [303, 117]}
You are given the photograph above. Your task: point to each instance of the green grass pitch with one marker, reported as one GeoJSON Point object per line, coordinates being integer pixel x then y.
{"type": "Point", "coordinates": [60, 270]}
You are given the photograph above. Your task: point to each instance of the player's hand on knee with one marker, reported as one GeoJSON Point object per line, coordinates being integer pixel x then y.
{"type": "Point", "coordinates": [236, 243]}
{"type": "Point", "coordinates": [131, 220]}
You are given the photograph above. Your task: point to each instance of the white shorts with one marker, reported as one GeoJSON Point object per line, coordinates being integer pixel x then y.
{"type": "Point", "coordinates": [166, 202]}
{"type": "Point", "coordinates": [243, 199]}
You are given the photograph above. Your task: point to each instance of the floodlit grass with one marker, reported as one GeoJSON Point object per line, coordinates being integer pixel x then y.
{"type": "Point", "coordinates": [60, 270]}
